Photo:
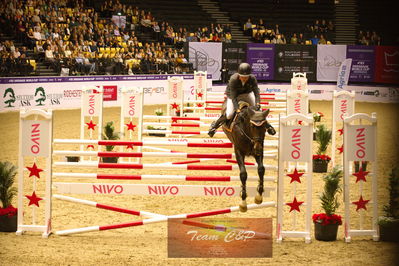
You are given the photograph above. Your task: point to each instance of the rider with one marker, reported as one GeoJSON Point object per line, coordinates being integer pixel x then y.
{"type": "Point", "coordinates": [242, 86]}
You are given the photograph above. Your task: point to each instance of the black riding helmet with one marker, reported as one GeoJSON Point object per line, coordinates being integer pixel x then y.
{"type": "Point", "coordinates": [244, 69]}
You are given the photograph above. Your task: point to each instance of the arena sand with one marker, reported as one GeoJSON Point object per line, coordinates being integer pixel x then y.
{"type": "Point", "coordinates": [147, 245]}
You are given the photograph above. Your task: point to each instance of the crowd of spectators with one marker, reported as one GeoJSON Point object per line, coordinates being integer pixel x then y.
{"type": "Point", "coordinates": [318, 33]}
{"type": "Point", "coordinates": [368, 37]}
{"type": "Point", "coordinates": [72, 38]}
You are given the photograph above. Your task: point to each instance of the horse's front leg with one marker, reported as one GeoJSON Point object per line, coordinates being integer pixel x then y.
{"type": "Point", "coordinates": [243, 178]}
{"type": "Point", "coordinates": [261, 173]}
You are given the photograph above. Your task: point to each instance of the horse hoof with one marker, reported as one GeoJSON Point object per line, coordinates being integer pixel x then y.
{"type": "Point", "coordinates": [258, 199]}
{"type": "Point", "coordinates": [243, 208]}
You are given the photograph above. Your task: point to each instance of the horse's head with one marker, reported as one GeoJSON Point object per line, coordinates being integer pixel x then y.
{"type": "Point", "coordinates": [257, 128]}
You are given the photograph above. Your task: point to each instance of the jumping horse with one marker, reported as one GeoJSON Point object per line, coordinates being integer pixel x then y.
{"type": "Point", "coordinates": [247, 133]}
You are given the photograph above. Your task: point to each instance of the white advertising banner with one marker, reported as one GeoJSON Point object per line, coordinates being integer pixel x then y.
{"type": "Point", "coordinates": [35, 138]}
{"type": "Point", "coordinates": [329, 59]}
{"type": "Point", "coordinates": [66, 92]}
{"type": "Point", "coordinates": [206, 57]}
{"type": "Point", "coordinates": [297, 102]}
{"type": "Point", "coordinates": [344, 106]}
{"type": "Point", "coordinates": [361, 143]}
{"type": "Point", "coordinates": [296, 143]}
{"type": "Point", "coordinates": [199, 82]}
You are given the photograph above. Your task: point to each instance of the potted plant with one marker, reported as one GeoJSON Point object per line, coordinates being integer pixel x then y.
{"type": "Point", "coordinates": [326, 224]}
{"type": "Point", "coordinates": [357, 166]}
{"type": "Point", "coordinates": [316, 119]}
{"type": "Point", "coordinates": [321, 160]}
{"type": "Point", "coordinates": [110, 134]}
{"type": "Point", "coordinates": [8, 214]}
{"type": "Point", "coordinates": [389, 224]}
{"type": "Point", "coordinates": [158, 112]}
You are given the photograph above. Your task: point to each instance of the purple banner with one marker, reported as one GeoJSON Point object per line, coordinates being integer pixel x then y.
{"type": "Point", "coordinates": [363, 62]}
{"type": "Point", "coordinates": [261, 57]}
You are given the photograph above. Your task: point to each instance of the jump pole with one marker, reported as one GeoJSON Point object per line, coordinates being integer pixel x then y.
{"type": "Point", "coordinates": [360, 144]}
{"type": "Point", "coordinates": [163, 219]}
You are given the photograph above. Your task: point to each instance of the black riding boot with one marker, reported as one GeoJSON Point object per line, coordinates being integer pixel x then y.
{"type": "Point", "coordinates": [216, 124]}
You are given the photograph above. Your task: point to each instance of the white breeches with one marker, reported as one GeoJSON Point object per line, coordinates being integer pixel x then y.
{"type": "Point", "coordinates": [247, 97]}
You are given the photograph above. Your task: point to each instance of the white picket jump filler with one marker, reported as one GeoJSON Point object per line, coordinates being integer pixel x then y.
{"type": "Point", "coordinates": [295, 145]}
{"type": "Point", "coordinates": [343, 104]}
{"type": "Point", "coordinates": [360, 144]}
{"type": "Point", "coordinates": [92, 107]}
{"type": "Point", "coordinates": [35, 141]}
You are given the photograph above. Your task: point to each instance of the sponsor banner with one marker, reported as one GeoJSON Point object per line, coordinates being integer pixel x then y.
{"type": "Point", "coordinates": [387, 64]}
{"type": "Point", "coordinates": [291, 58]}
{"type": "Point", "coordinates": [35, 138]}
{"type": "Point", "coordinates": [329, 59]}
{"type": "Point", "coordinates": [324, 92]}
{"type": "Point", "coordinates": [296, 143]}
{"type": "Point", "coordinates": [220, 238]}
{"type": "Point", "coordinates": [343, 73]}
{"type": "Point", "coordinates": [233, 55]}
{"type": "Point", "coordinates": [110, 93]}
{"type": "Point", "coordinates": [261, 58]}
{"type": "Point", "coordinates": [206, 57]}
{"type": "Point", "coordinates": [65, 92]}
{"type": "Point", "coordinates": [363, 62]}
{"type": "Point", "coordinates": [344, 106]}
{"type": "Point", "coordinates": [361, 143]}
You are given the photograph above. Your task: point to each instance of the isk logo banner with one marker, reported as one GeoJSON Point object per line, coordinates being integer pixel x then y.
{"type": "Point", "coordinates": [220, 238]}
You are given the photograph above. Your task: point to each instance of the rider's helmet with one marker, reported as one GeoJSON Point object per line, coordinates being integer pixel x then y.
{"type": "Point", "coordinates": [244, 69]}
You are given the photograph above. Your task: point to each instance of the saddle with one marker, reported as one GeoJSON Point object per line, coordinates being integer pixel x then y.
{"type": "Point", "coordinates": [229, 125]}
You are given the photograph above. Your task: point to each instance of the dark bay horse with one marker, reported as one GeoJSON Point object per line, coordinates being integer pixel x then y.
{"type": "Point", "coordinates": [247, 133]}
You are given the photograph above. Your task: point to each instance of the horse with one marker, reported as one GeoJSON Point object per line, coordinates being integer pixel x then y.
{"type": "Point", "coordinates": [247, 132]}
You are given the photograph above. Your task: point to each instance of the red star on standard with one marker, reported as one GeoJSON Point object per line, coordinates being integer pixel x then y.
{"type": "Point", "coordinates": [129, 146]}
{"type": "Point", "coordinates": [361, 204]}
{"type": "Point", "coordinates": [199, 105]}
{"type": "Point", "coordinates": [34, 171]}
{"type": "Point", "coordinates": [341, 149]}
{"type": "Point", "coordinates": [295, 205]}
{"type": "Point", "coordinates": [130, 126]}
{"type": "Point", "coordinates": [295, 176]}
{"type": "Point", "coordinates": [175, 106]}
{"type": "Point", "coordinates": [90, 146]}
{"type": "Point", "coordinates": [360, 175]}
{"type": "Point", "coordinates": [199, 94]}
{"type": "Point", "coordinates": [341, 131]}
{"type": "Point", "coordinates": [33, 199]}
{"type": "Point", "coordinates": [91, 125]}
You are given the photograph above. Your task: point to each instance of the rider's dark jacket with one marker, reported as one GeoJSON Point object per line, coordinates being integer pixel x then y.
{"type": "Point", "coordinates": [235, 88]}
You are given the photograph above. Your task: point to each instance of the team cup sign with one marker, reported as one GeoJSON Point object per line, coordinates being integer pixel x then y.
{"type": "Point", "coordinates": [361, 142]}
{"type": "Point", "coordinates": [296, 140]}
{"type": "Point", "coordinates": [220, 238]}
{"type": "Point", "coordinates": [35, 138]}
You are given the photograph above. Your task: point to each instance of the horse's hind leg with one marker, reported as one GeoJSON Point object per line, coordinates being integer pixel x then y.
{"type": "Point", "coordinates": [243, 178]}
{"type": "Point", "coordinates": [261, 173]}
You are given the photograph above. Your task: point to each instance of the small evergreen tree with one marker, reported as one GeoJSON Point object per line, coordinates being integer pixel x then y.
{"type": "Point", "coordinates": [329, 197]}
{"type": "Point", "coordinates": [392, 209]}
{"type": "Point", "coordinates": [8, 171]}
{"type": "Point", "coordinates": [323, 138]}
{"type": "Point", "coordinates": [110, 134]}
